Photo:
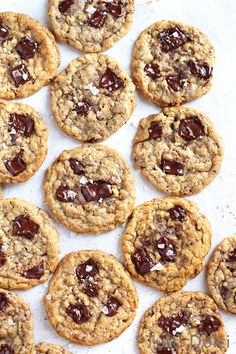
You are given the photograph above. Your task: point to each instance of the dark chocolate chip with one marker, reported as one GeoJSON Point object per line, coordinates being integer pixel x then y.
{"type": "Point", "coordinates": [152, 70]}
{"type": "Point", "coordinates": [26, 48]}
{"type": "Point", "coordinates": [35, 272]}
{"type": "Point", "coordinates": [90, 289]}
{"type": "Point", "coordinates": [64, 5]}
{"type": "Point", "coordinates": [6, 349]}
{"type": "Point", "coordinates": [86, 270]}
{"type": "Point", "coordinates": [65, 194]}
{"type": "Point", "coordinates": [76, 166]}
{"type": "Point", "coordinates": [177, 213]}
{"type": "Point", "coordinates": [20, 74]}
{"type": "Point", "coordinates": [82, 107]}
{"type": "Point", "coordinates": [172, 38]}
{"type": "Point", "coordinates": [166, 249]}
{"type": "Point", "coordinates": [15, 166]}
{"type": "Point", "coordinates": [4, 302]}
{"type": "Point", "coordinates": [155, 130]}
{"type": "Point", "coordinates": [111, 81]}
{"type": "Point", "coordinates": [93, 192]}
{"type": "Point", "coordinates": [112, 306]}
{"type": "Point", "coordinates": [232, 256]}
{"type": "Point", "coordinates": [3, 256]}
{"type": "Point", "coordinates": [200, 69]}
{"type": "Point", "coordinates": [142, 261]}
{"type": "Point", "coordinates": [25, 227]}
{"type": "Point", "coordinates": [22, 124]}
{"type": "Point", "coordinates": [209, 325]}
{"type": "Point", "coordinates": [98, 19]}
{"type": "Point", "coordinates": [175, 82]}
{"type": "Point", "coordinates": [163, 350]}
{"type": "Point", "coordinates": [3, 33]}
{"type": "Point", "coordinates": [191, 128]}
{"type": "Point", "coordinates": [115, 8]}
{"type": "Point", "coordinates": [225, 292]}
{"type": "Point", "coordinates": [79, 313]}
{"type": "Point", "coordinates": [171, 167]}
{"type": "Point", "coordinates": [172, 323]}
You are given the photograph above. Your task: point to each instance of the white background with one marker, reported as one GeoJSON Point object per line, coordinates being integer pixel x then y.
{"type": "Point", "coordinates": [217, 19]}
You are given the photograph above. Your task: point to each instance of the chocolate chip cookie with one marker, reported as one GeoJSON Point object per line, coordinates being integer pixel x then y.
{"type": "Point", "coordinates": [92, 98]}
{"type": "Point", "coordinates": [23, 142]}
{"type": "Point", "coordinates": [184, 322]}
{"type": "Point", "coordinates": [45, 348]}
{"type": "Point", "coordinates": [17, 328]}
{"type": "Point", "coordinates": [91, 26]}
{"type": "Point", "coordinates": [90, 189]}
{"type": "Point", "coordinates": [165, 242]}
{"type": "Point", "coordinates": [221, 274]}
{"type": "Point", "coordinates": [29, 57]}
{"type": "Point", "coordinates": [178, 150]}
{"type": "Point", "coordinates": [28, 245]}
{"type": "Point", "coordinates": [172, 63]}
{"type": "Point", "coordinates": [91, 298]}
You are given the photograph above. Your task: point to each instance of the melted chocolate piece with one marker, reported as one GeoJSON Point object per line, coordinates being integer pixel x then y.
{"type": "Point", "coordinates": [98, 19]}
{"type": "Point", "coordinates": [163, 350]}
{"type": "Point", "coordinates": [155, 130]}
{"type": "Point", "coordinates": [82, 108]}
{"type": "Point", "coordinates": [142, 261]}
{"type": "Point", "coordinates": [200, 69]}
{"type": "Point", "coordinates": [171, 39]}
{"type": "Point", "coordinates": [172, 167]}
{"type": "Point", "coordinates": [25, 227]}
{"type": "Point", "coordinates": [166, 249]}
{"type": "Point", "coordinates": [65, 194]}
{"type": "Point", "coordinates": [112, 306]}
{"type": "Point", "coordinates": [91, 289]}
{"type": "Point", "coordinates": [3, 256]}
{"type": "Point", "coordinates": [35, 272]}
{"type": "Point", "coordinates": [172, 323]}
{"type": "Point", "coordinates": [79, 313]}
{"type": "Point", "coordinates": [111, 81]}
{"type": "Point", "coordinates": [22, 124]}
{"type": "Point", "coordinates": [232, 256]}
{"type": "Point", "coordinates": [6, 349]}
{"type": "Point", "coordinates": [3, 33]}
{"type": "Point", "coordinates": [209, 325]}
{"type": "Point", "coordinates": [92, 192]}
{"type": "Point", "coordinates": [26, 48]}
{"type": "Point", "coordinates": [177, 213]}
{"type": "Point", "coordinates": [76, 166]}
{"type": "Point", "coordinates": [191, 128]}
{"type": "Point", "coordinates": [224, 292]}
{"type": "Point", "coordinates": [4, 302]}
{"type": "Point", "coordinates": [64, 5]}
{"type": "Point", "coordinates": [175, 82]}
{"type": "Point", "coordinates": [152, 70]}
{"type": "Point", "coordinates": [115, 8]}
{"type": "Point", "coordinates": [15, 166]}
{"type": "Point", "coordinates": [86, 270]}
{"type": "Point", "coordinates": [20, 74]}
{"type": "Point", "coordinates": [235, 298]}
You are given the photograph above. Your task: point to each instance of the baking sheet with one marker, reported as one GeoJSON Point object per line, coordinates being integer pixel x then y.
{"type": "Point", "coordinates": [217, 19]}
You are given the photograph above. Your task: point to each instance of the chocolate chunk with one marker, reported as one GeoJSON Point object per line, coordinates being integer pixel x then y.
{"type": "Point", "coordinates": [235, 299]}
{"type": "Point", "coordinates": [155, 130]}
{"type": "Point", "coordinates": [3, 33]}
{"type": "Point", "coordinates": [166, 249]}
{"type": "Point", "coordinates": [177, 213]}
{"type": "Point", "coordinates": [152, 70]}
{"type": "Point", "coordinates": [172, 38]}
{"type": "Point", "coordinates": [98, 19]}
{"type": "Point", "coordinates": [224, 292]}
{"type": "Point", "coordinates": [142, 261]}
{"type": "Point", "coordinates": [191, 128]}
{"type": "Point", "coordinates": [86, 270]}
{"type": "Point", "coordinates": [200, 69]}
{"type": "Point", "coordinates": [115, 8]}
{"type": "Point", "coordinates": [162, 350]}
{"type": "Point", "coordinates": [6, 349]}
{"type": "Point", "coordinates": [35, 272]}
{"type": "Point", "coordinates": [90, 289]}
{"type": "Point", "coordinates": [76, 166]}
{"type": "Point", "coordinates": [111, 81]}
{"type": "Point", "coordinates": [232, 256]}
{"type": "Point", "coordinates": [4, 302]}
{"type": "Point", "coordinates": [15, 166]}
{"type": "Point", "coordinates": [79, 313]}
{"type": "Point", "coordinates": [22, 124]}
{"type": "Point", "coordinates": [172, 323]}
{"type": "Point", "coordinates": [92, 192]}
{"type": "Point", "coordinates": [64, 5]}
{"type": "Point", "coordinates": [112, 306]}
{"type": "Point", "coordinates": [175, 82]}
{"type": "Point", "coordinates": [25, 227]}
{"type": "Point", "coordinates": [20, 74]}
{"type": "Point", "coordinates": [209, 325]}
{"type": "Point", "coordinates": [65, 194]}
{"type": "Point", "coordinates": [3, 256]}
{"type": "Point", "coordinates": [172, 167]}
{"type": "Point", "coordinates": [82, 107]}
{"type": "Point", "coordinates": [26, 48]}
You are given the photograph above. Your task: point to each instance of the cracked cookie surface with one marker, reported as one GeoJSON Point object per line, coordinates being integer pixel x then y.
{"type": "Point", "coordinates": [28, 245]}
{"type": "Point", "coordinates": [182, 323]}
{"type": "Point", "coordinates": [29, 56]}
{"type": "Point", "coordinates": [221, 271]}
{"type": "Point", "coordinates": [90, 189]}
{"type": "Point", "coordinates": [165, 242]}
{"type": "Point", "coordinates": [178, 150]}
{"type": "Point", "coordinates": [23, 142]}
{"type": "Point", "coordinates": [45, 348]}
{"type": "Point", "coordinates": [172, 63]}
{"type": "Point", "coordinates": [91, 26]}
{"type": "Point", "coordinates": [17, 329]}
{"type": "Point", "coordinates": [91, 298]}
{"type": "Point", "coordinates": [92, 98]}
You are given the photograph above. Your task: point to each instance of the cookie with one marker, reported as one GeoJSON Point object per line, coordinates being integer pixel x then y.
{"type": "Point", "coordinates": [29, 57]}
{"type": "Point", "coordinates": [28, 245]}
{"type": "Point", "coordinates": [92, 98]}
{"type": "Point", "coordinates": [91, 298]}
{"type": "Point", "coordinates": [17, 328]}
{"type": "Point", "coordinates": [165, 242]}
{"type": "Point", "coordinates": [45, 348]}
{"type": "Point", "coordinates": [221, 271]}
{"type": "Point", "coordinates": [90, 189]}
{"type": "Point", "coordinates": [184, 322]}
{"type": "Point", "coordinates": [91, 26]}
{"type": "Point", "coordinates": [23, 142]}
{"type": "Point", "coordinates": [178, 150]}
{"type": "Point", "coordinates": [172, 63]}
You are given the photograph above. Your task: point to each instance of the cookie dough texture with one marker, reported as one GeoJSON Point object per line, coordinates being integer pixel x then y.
{"type": "Point", "coordinates": [172, 63]}
{"type": "Point", "coordinates": [90, 189]}
{"type": "Point", "coordinates": [23, 142]}
{"type": "Point", "coordinates": [100, 316]}
{"type": "Point", "coordinates": [184, 322]}
{"type": "Point", "coordinates": [17, 329]}
{"type": "Point", "coordinates": [45, 348]}
{"type": "Point", "coordinates": [221, 272]}
{"type": "Point", "coordinates": [178, 150]}
{"type": "Point", "coordinates": [29, 245]}
{"type": "Point", "coordinates": [92, 98]}
{"type": "Point", "coordinates": [165, 242]}
{"type": "Point", "coordinates": [29, 57]}
{"type": "Point", "coordinates": [91, 26]}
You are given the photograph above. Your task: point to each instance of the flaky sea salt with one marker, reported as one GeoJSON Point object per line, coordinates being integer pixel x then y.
{"type": "Point", "coordinates": [157, 266]}
{"type": "Point", "coordinates": [90, 9]}
{"type": "Point", "coordinates": [94, 91]}
{"type": "Point", "coordinates": [105, 310]}
{"type": "Point", "coordinates": [11, 322]}
{"type": "Point", "coordinates": [83, 180]}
